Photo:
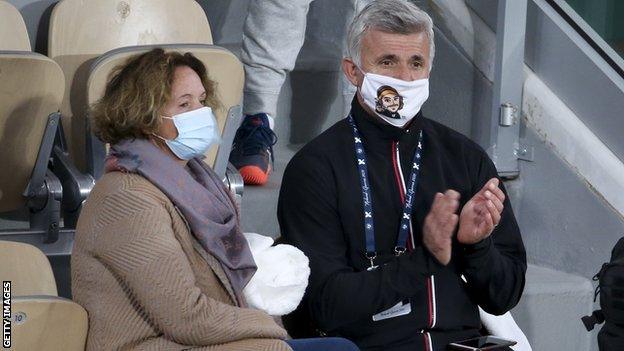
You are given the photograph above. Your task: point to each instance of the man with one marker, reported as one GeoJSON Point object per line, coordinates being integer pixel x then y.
{"type": "Point", "coordinates": [407, 227]}
{"type": "Point", "coordinates": [272, 37]}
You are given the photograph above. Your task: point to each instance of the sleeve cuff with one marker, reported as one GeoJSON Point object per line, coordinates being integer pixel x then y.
{"type": "Point", "coordinates": [477, 254]}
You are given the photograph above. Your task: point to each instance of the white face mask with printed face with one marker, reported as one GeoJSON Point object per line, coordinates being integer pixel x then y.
{"type": "Point", "coordinates": [396, 101]}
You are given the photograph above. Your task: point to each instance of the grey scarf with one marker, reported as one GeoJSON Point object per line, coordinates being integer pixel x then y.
{"type": "Point", "coordinates": [203, 199]}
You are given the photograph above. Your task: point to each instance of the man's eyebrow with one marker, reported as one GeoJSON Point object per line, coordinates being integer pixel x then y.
{"type": "Point", "coordinates": [390, 57]}
{"type": "Point", "coordinates": [417, 58]}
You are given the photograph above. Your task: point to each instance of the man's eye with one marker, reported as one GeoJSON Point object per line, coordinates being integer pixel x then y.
{"type": "Point", "coordinates": [417, 64]}
{"type": "Point", "coordinates": [386, 63]}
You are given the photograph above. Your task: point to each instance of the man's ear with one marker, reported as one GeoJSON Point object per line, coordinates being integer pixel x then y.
{"type": "Point", "coordinates": [351, 71]}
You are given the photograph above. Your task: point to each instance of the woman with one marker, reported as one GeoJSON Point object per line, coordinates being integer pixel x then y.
{"type": "Point", "coordinates": [159, 261]}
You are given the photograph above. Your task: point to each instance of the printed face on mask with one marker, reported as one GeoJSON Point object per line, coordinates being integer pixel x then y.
{"type": "Point", "coordinates": [388, 101]}
{"type": "Point", "coordinates": [395, 101]}
{"type": "Point", "coordinates": [188, 127]}
{"type": "Point", "coordinates": [392, 103]}
{"type": "Point", "coordinates": [392, 76]}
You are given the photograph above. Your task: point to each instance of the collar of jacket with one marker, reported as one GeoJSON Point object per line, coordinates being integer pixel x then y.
{"type": "Point", "coordinates": [374, 130]}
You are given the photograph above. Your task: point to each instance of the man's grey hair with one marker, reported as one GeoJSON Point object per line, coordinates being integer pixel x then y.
{"type": "Point", "coordinates": [392, 16]}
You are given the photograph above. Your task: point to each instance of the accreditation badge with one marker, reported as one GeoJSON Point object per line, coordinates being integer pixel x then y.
{"type": "Point", "coordinates": [400, 309]}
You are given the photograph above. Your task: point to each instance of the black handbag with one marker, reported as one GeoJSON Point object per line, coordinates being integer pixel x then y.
{"type": "Point", "coordinates": [611, 290]}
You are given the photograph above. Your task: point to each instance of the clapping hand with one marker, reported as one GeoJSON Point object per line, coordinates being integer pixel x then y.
{"type": "Point", "coordinates": [440, 224]}
{"type": "Point", "coordinates": [481, 214]}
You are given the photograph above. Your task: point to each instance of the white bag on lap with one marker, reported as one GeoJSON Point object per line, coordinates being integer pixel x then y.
{"type": "Point", "coordinates": [505, 326]}
{"type": "Point", "coordinates": [281, 279]}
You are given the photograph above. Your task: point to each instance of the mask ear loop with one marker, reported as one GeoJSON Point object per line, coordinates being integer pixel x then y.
{"type": "Point", "coordinates": [165, 141]}
{"type": "Point", "coordinates": [359, 88]}
{"type": "Point", "coordinates": [160, 137]}
{"type": "Point", "coordinates": [361, 70]}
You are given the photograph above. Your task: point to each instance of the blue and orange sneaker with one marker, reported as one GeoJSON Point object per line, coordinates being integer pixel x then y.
{"type": "Point", "coordinates": [252, 150]}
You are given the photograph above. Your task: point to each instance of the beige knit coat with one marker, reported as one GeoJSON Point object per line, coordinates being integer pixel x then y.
{"type": "Point", "coordinates": [148, 284]}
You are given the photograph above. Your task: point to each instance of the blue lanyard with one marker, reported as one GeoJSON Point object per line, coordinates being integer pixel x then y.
{"type": "Point", "coordinates": [367, 199]}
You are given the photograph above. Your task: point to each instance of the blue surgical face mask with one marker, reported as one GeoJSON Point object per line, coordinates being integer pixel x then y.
{"type": "Point", "coordinates": [197, 132]}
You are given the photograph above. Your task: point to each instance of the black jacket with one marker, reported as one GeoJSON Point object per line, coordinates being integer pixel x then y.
{"type": "Point", "coordinates": [320, 212]}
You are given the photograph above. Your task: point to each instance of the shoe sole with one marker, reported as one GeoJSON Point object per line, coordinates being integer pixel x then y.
{"type": "Point", "coordinates": [253, 175]}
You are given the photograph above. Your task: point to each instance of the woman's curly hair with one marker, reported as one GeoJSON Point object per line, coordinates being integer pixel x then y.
{"type": "Point", "coordinates": [137, 91]}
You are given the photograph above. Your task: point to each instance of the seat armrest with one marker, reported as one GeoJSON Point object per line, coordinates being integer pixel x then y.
{"type": "Point", "coordinates": [234, 181]}
{"type": "Point", "coordinates": [76, 185]}
{"type": "Point", "coordinates": [44, 190]}
{"type": "Point", "coordinates": [232, 123]}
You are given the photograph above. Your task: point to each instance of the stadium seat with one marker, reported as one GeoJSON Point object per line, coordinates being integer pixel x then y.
{"type": "Point", "coordinates": [31, 90]}
{"type": "Point", "coordinates": [27, 268]}
{"type": "Point", "coordinates": [80, 31]}
{"type": "Point", "coordinates": [12, 29]}
{"type": "Point", "coordinates": [40, 319]}
{"type": "Point", "coordinates": [223, 67]}
{"type": "Point", "coordinates": [48, 323]}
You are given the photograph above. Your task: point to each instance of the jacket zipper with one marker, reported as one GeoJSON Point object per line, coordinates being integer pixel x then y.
{"type": "Point", "coordinates": [398, 176]}
{"type": "Point", "coordinates": [431, 299]}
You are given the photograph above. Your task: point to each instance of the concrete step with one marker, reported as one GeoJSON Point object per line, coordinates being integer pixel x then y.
{"type": "Point", "coordinates": [551, 308]}
{"type": "Point", "coordinates": [259, 204]}
{"type": "Point", "coordinates": [309, 103]}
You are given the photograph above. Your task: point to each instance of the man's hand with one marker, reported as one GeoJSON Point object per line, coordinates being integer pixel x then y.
{"type": "Point", "coordinates": [440, 224]}
{"type": "Point", "coordinates": [481, 214]}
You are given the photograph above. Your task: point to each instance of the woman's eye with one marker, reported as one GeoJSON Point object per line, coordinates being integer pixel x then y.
{"type": "Point", "coordinates": [203, 102]}
{"type": "Point", "coordinates": [184, 105]}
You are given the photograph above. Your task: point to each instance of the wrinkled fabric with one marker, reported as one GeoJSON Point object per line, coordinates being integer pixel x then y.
{"type": "Point", "coordinates": [202, 199]}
